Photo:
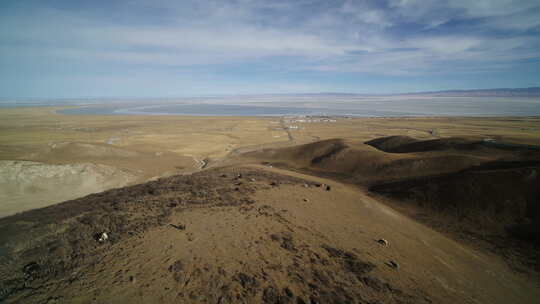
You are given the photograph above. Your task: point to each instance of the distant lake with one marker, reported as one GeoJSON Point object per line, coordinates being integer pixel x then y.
{"type": "Point", "coordinates": [189, 109]}
{"type": "Point", "coordinates": [338, 105]}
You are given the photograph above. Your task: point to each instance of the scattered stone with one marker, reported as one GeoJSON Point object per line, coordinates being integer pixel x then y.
{"type": "Point", "coordinates": [327, 187]}
{"type": "Point", "coordinates": [273, 184]}
{"type": "Point", "coordinates": [179, 227]}
{"type": "Point", "coordinates": [383, 242]}
{"type": "Point", "coordinates": [103, 237]}
{"type": "Point", "coordinates": [132, 279]}
{"type": "Point", "coordinates": [393, 264]}
{"type": "Point", "coordinates": [223, 175]}
{"type": "Point", "coordinates": [252, 180]}
{"type": "Point", "coordinates": [318, 185]}
{"type": "Point", "coordinates": [239, 175]}
{"type": "Point", "coordinates": [306, 200]}
{"type": "Point", "coordinates": [306, 186]}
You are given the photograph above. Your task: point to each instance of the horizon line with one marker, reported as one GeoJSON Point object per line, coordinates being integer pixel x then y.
{"type": "Point", "coordinates": [535, 91]}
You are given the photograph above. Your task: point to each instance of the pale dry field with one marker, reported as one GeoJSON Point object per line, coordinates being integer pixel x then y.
{"type": "Point", "coordinates": [134, 149]}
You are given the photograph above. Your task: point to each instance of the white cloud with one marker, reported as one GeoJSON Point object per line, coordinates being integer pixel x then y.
{"type": "Point", "coordinates": [500, 14]}
{"type": "Point", "coordinates": [491, 8]}
{"type": "Point", "coordinates": [444, 45]}
{"type": "Point", "coordinates": [354, 36]}
{"type": "Point", "coordinates": [365, 14]}
{"type": "Point", "coordinates": [247, 41]}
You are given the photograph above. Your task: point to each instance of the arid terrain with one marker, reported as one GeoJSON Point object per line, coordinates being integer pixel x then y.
{"type": "Point", "coordinates": [268, 209]}
{"type": "Point", "coordinates": [122, 150]}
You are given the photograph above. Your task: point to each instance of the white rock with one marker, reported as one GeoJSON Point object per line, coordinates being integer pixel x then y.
{"type": "Point", "coordinates": [104, 237]}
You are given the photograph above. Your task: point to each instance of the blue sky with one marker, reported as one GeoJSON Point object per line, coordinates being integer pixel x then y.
{"type": "Point", "coordinates": [158, 48]}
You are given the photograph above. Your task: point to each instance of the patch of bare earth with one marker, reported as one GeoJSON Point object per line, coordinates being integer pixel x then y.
{"type": "Point", "coordinates": [27, 185]}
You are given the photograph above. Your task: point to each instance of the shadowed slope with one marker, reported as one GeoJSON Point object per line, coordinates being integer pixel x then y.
{"type": "Point", "coordinates": [362, 164]}
{"type": "Point", "coordinates": [404, 144]}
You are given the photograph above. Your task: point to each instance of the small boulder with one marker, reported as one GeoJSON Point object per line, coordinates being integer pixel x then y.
{"type": "Point", "coordinates": [393, 264]}
{"type": "Point", "coordinates": [383, 242]}
{"type": "Point", "coordinates": [103, 237]}
{"type": "Point", "coordinates": [179, 226]}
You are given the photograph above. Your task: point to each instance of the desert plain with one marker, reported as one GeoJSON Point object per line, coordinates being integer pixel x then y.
{"type": "Point", "coordinates": [66, 156]}
{"type": "Point", "coordinates": [268, 209]}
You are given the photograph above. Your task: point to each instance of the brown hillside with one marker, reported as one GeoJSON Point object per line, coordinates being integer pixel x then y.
{"type": "Point", "coordinates": [247, 250]}
{"type": "Point", "coordinates": [252, 235]}
{"type": "Point", "coordinates": [483, 193]}
{"type": "Point", "coordinates": [362, 164]}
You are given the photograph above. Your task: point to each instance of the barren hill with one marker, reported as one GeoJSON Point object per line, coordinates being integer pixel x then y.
{"type": "Point", "coordinates": [482, 191]}
{"type": "Point", "coordinates": [302, 228]}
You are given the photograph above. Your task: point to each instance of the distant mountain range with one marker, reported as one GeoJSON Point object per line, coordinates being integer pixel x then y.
{"type": "Point", "coordinates": [498, 92]}
{"type": "Point", "coordinates": [501, 92]}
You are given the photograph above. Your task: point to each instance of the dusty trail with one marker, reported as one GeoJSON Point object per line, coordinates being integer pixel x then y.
{"type": "Point", "coordinates": [286, 129]}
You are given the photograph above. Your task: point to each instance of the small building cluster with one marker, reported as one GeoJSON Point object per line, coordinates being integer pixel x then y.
{"type": "Point", "coordinates": [309, 119]}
